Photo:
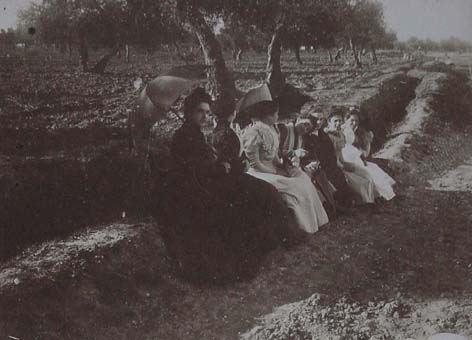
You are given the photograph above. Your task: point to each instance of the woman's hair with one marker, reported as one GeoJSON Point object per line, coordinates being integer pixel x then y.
{"type": "Point", "coordinates": [334, 114]}
{"type": "Point", "coordinates": [310, 117]}
{"type": "Point", "coordinates": [350, 113]}
{"type": "Point", "coordinates": [193, 99]}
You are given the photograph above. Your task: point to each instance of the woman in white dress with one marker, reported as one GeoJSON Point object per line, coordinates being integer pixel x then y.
{"type": "Point", "coordinates": [357, 150]}
{"type": "Point", "coordinates": [357, 178]}
{"type": "Point", "coordinates": [261, 146]}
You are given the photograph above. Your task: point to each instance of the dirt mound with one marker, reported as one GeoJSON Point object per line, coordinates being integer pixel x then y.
{"type": "Point", "coordinates": [53, 257]}
{"type": "Point", "coordinates": [85, 287]}
{"type": "Point", "coordinates": [46, 197]}
{"type": "Point", "coordinates": [436, 66]}
{"type": "Point", "coordinates": [417, 112]}
{"type": "Point", "coordinates": [319, 318]}
{"type": "Point", "coordinates": [446, 96]}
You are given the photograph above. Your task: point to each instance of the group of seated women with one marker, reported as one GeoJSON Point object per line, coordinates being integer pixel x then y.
{"type": "Point", "coordinates": [232, 197]}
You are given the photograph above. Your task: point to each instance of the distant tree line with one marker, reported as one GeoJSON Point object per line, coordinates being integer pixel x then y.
{"type": "Point", "coordinates": [451, 44]}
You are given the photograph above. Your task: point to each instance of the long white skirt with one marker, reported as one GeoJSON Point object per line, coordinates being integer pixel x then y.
{"type": "Point", "coordinates": [301, 197]}
{"type": "Point", "coordinates": [382, 181]}
{"type": "Point", "coordinates": [362, 185]}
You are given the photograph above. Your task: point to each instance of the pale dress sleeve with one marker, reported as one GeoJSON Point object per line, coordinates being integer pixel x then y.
{"type": "Point", "coordinates": [370, 139]}
{"type": "Point", "coordinates": [251, 145]}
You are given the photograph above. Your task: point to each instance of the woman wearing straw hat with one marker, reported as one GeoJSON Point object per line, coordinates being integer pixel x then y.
{"type": "Point", "coordinates": [261, 145]}
{"type": "Point", "coordinates": [257, 205]}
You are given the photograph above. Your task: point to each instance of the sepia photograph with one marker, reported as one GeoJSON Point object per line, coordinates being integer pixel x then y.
{"type": "Point", "coordinates": [235, 169]}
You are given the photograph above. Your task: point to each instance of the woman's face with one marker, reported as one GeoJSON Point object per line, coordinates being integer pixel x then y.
{"type": "Point", "coordinates": [335, 123]}
{"type": "Point", "coordinates": [319, 123]}
{"type": "Point", "coordinates": [303, 126]}
{"type": "Point", "coordinates": [353, 122]}
{"type": "Point", "coordinates": [272, 118]}
{"type": "Point", "coordinates": [202, 110]}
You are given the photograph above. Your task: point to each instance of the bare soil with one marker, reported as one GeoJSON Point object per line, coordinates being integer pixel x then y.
{"type": "Point", "coordinates": [407, 263]}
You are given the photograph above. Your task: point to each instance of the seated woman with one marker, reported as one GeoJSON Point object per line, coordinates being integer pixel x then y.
{"type": "Point", "coordinates": [185, 202]}
{"type": "Point", "coordinates": [292, 150]}
{"type": "Point", "coordinates": [357, 151]}
{"type": "Point", "coordinates": [261, 144]}
{"type": "Point", "coordinates": [319, 146]}
{"type": "Point", "coordinates": [259, 208]}
{"type": "Point", "coordinates": [358, 179]}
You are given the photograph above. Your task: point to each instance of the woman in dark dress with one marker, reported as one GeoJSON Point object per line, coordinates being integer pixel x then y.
{"type": "Point", "coordinates": [185, 201]}
{"type": "Point", "coordinates": [319, 146]}
{"type": "Point", "coordinates": [209, 210]}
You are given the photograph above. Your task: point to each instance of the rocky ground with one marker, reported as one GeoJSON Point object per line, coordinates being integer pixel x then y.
{"type": "Point", "coordinates": [401, 271]}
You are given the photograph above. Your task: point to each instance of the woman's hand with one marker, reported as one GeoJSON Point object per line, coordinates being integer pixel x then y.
{"type": "Point", "coordinates": [295, 161]}
{"type": "Point", "coordinates": [312, 168]}
{"type": "Point", "coordinates": [300, 153]}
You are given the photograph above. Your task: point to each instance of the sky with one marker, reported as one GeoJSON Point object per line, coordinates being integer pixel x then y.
{"type": "Point", "coordinates": [9, 10]}
{"type": "Point", "coordinates": [434, 19]}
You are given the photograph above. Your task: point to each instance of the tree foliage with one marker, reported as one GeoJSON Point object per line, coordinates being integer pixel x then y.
{"type": "Point", "coordinates": [451, 44]}
{"type": "Point", "coordinates": [103, 23]}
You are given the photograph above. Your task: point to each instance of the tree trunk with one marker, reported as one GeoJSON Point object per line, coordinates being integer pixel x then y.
{"type": "Point", "coordinates": [189, 57]}
{"type": "Point", "coordinates": [103, 62]}
{"type": "Point", "coordinates": [330, 55]}
{"type": "Point", "coordinates": [83, 51]}
{"type": "Point", "coordinates": [296, 50]}
{"type": "Point", "coordinates": [275, 78]}
{"type": "Point", "coordinates": [374, 56]}
{"type": "Point", "coordinates": [355, 54]}
{"type": "Point", "coordinates": [127, 54]}
{"type": "Point", "coordinates": [69, 45]}
{"type": "Point", "coordinates": [338, 54]}
{"type": "Point", "coordinates": [221, 82]}
{"type": "Point", "coordinates": [239, 54]}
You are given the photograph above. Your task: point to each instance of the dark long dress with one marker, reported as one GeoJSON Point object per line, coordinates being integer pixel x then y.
{"type": "Point", "coordinates": [189, 209]}
{"type": "Point", "coordinates": [208, 214]}
{"type": "Point", "coordinates": [320, 146]}
{"type": "Point", "coordinates": [290, 141]}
